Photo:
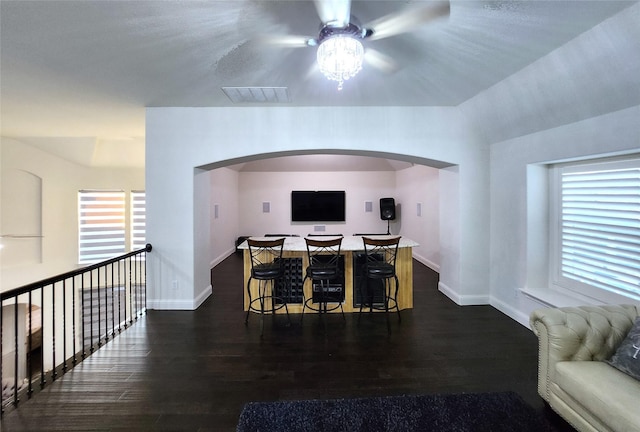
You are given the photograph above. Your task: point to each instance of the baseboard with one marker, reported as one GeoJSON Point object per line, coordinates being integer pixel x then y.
{"type": "Point", "coordinates": [433, 266]}
{"type": "Point", "coordinates": [202, 297]}
{"type": "Point", "coordinates": [510, 311]}
{"type": "Point", "coordinates": [222, 257]}
{"type": "Point", "coordinates": [463, 300]}
{"type": "Point", "coordinates": [180, 304]}
{"type": "Point", "coordinates": [170, 304]}
{"type": "Point", "coordinates": [444, 289]}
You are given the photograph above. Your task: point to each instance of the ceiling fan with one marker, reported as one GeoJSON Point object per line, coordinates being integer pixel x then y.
{"type": "Point", "coordinates": [340, 51]}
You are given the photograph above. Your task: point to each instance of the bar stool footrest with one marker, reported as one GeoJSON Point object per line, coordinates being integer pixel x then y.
{"type": "Point", "coordinates": [267, 310]}
{"type": "Point", "coordinates": [309, 304]}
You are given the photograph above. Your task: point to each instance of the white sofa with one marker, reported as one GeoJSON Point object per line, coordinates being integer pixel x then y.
{"type": "Point", "coordinates": [573, 377]}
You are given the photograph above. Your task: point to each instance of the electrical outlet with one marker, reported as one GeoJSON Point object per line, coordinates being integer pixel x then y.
{"type": "Point", "coordinates": [174, 284]}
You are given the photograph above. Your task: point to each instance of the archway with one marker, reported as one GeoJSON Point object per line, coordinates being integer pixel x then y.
{"type": "Point", "coordinates": [414, 184]}
{"type": "Point", "coordinates": [184, 144]}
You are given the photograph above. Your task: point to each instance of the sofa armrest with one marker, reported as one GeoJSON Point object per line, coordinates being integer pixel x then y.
{"type": "Point", "coordinates": [578, 334]}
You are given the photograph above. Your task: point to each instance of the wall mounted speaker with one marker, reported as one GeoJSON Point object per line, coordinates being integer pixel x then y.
{"type": "Point", "coordinates": [387, 209]}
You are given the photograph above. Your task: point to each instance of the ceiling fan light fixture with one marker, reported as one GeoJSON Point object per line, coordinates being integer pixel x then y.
{"type": "Point", "coordinates": [340, 57]}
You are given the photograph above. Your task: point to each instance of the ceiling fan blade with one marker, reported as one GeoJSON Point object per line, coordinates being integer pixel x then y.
{"type": "Point", "coordinates": [291, 41]}
{"type": "Point", "coordinates": [334, 13]}
{"type": "Point", "coordinates": [406, 20]}
{"type": "Point", "coordinates": [380, 61]}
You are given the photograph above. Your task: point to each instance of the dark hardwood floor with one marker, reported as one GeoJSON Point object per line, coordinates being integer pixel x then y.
{"type": "Point", "coordinates": [194, 370]}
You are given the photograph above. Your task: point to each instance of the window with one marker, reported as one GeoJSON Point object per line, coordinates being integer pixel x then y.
{"type": "Point", "coordinates": [101, 216]}
{"type": "Point", "coordinates": [597, 235]}
{"type": "Point", "coordinates": [138, 220]}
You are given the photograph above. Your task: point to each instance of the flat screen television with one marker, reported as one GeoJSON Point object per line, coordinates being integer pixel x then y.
{"type": "Point", "coordinates": [317, 206]}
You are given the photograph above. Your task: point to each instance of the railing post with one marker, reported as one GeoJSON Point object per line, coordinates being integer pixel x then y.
{"type": "Point", "coordinates": [91, 311]}
{"type": "Point", "coordinates": [30, 348]}
{"type": "Point", "coordinates": [82, 323]}
{"type": "Point", "coordinates": [64, 326]}
{"type": "Point", "coordinates": [145, 278]}
{"type": "Point", "coordinates": [54, 373]}
{"type": "Point", "coordinates": [106, 305]}
{"type": "Point", "coordinates": [136, 278]}
{"type": "Point", "coordinates": [15, 357]}
{"type": "Point", "coordinates": [43, 380]}
{"type": "Point", "coordinates": [113, 304]}
{"type": "Point", "coordinates": [120, 291]}
{"type": "Point", "coordinates": [131, 294]}
{"type": "Point", "coordinates": [73, 318]}
{"type": "Point", "coordinates": [99, 310]}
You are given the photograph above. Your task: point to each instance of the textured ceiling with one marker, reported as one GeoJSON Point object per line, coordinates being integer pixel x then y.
{"type": "Point", "coordinates": [88, 69]}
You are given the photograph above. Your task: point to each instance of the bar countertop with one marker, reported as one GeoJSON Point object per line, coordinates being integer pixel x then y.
{"type": "Point", "coordinates": [349, 243]}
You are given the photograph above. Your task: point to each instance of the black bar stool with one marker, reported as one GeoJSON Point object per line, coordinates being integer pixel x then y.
{"type": "Point", "coordinates": [380, 265]}
{"type": "Point", "coordinates": [323, 268]}
{"type": "Point", "coordinates": [266, 267]}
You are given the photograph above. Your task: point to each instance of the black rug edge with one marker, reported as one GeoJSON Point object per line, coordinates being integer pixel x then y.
{"type": "Point", "coordinates": [469, 411]}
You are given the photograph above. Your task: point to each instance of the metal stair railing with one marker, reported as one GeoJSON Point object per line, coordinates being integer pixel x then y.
{"type": "Point", "coordinates": [51, 325]}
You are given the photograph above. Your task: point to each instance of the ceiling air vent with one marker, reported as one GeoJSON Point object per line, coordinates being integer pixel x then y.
{"type": "Point", "coordinates": [257, 94]}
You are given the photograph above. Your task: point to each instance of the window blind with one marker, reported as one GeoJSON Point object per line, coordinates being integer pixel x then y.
{"type": "Point", "coordinates": [600, 239]}
{"type": "Point", "coordinates": [138, 220]}
{"type": "Point", "coordinates": [102, 225]}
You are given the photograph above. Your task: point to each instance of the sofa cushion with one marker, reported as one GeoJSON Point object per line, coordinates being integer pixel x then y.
{"type": "Point", "coordinates": [610, 395]}
{"type": "Point", "coordinates": [627, 356]}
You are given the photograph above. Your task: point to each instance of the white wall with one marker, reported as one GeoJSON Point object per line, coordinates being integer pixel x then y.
{"type": "Point", "coordinates": [420, 185]}
{"type": "Point", "coordinates": [517, 237]}
{"type": "Point", "coordinates": [224, 228]}
{"type": "Point", "coordinates": [537, 116]}
{"type": "Point", "coordinates": [275, 188]}
{"type": "Point", "coordinates": [52, 189]}
{"type": "Point", "coordinates": [181, 139]}
{"type": "Point", "coordinates": [239, 198]}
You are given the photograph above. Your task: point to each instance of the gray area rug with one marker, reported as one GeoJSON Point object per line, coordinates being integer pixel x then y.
{"type": "Point", "coordinates": [467, 412]}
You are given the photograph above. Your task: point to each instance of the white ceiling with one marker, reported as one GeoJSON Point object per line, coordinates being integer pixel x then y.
{"type": "Point", "coordinates": [87, 69]}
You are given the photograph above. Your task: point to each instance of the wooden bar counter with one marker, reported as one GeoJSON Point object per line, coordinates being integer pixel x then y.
{"type": "Point", "coordinates": [295, 254]}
